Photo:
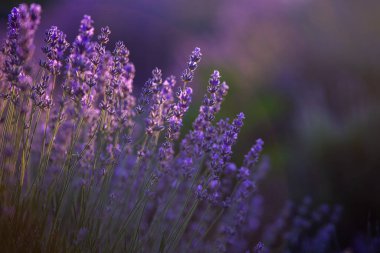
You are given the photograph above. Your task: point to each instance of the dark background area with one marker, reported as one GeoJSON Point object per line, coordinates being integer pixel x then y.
{"type": "Point", "coordinates": [305, 72]}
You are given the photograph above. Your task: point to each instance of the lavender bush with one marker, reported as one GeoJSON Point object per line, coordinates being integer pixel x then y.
{"type": "Point", "coordinates": [88, 167]}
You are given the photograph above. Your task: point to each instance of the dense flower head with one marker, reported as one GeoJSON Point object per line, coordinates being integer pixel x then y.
{"type": "Point", "coordinates": [201, 139]}
{"type": "Point", "coordinates": [18, 48]}
{"type": "Point", "coordinates": [154, 120]}
{"type": "Point", "coordinates": [219, 185]}
{"type": "Point", "coordinates": [54, 50]}
{"type": "Point", "coordinates": [80, 68]}
{"type": "Point", "coordinates": [121, 53]}
{"type": "Point", "coordinates": [251, 158]}
{"type": "Point", "coordinates": [144, 98]}
{"type": "Point", "coordinates": [211, 103]}
{"type": "Point", "coordinates": [214, 82]}
{"type": "Point", "coordinates": [194, 59]}
{"type": "Point", "coordinates": [178, 110]}
{"type": "Point", "coordinates": [196, 55]}
{"type": "Point", "coordinates": [23, 22]}
{"type": "Point", "coordinates": [104, 74]}
{"type": "Point", "coordinates": [116, 74]}
{"type": "Point", "coordinates": [221, 151]}
{"type": "Point", "coordinates": [175, 110]}
{"type": "Point", "coordinates": [103, 37]}
{"type": "Point", "coordinates": [86, 28]}
{"type": "Point", "coordinates": [39, 93]}
{"type": "Point", "coordinates": [168, 94]}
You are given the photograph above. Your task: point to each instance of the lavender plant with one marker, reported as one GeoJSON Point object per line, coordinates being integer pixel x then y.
{"type": "Point", "coordinates": [85, 166]}
{"type": "Point", "coordinates": [304, 229]}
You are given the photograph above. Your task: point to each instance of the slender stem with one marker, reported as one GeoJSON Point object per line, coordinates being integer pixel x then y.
{"type": "Point", "coordinates": [24, 160]}
{"type": "Point", "coordinates": [187, 199]}
{"type": "Point", "coordinates": [198, 227]}
{"type": "Point", "coordinates": [177, 236]}
{"type": "Point", "coordinates": [213, 223]}
{"type": "Point", "coordinates": [135, 170]}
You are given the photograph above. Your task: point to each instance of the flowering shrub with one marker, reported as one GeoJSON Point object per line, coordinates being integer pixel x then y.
{"type": "Point", "coordinates": [87, 166]}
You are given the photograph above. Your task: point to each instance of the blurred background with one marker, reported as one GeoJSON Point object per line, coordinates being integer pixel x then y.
{"type": "Point", "coordinates": [305, 72]}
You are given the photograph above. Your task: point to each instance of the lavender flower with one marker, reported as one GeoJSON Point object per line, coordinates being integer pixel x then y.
{"type": "Point", "coordinates": [208, 110]}
{"type": "Point", "coordinates": [39, 94]}
{"type": "Point", "coordinates": [304, 229]}
{"type": "Point", "coordinates": [176, 111]}
{"type": "Point", "coordinates": [18, 48]}
{"type": "Point", "coordinates": [144, 98]}
{"type": "Point", "coordinates": [183, 95]}
{"type": "Point", "coordinates": [194, 59]}
{"type": "Point", "coordinates": [54, 50]}
{"type": "Point", "coordinates": [198, 141]}
{"type": "Point", "coordinates": [154, 120]}
{"type": "Point", "coordinates": [79, 66]}
{"type": "Point", "coordinates": [119, 91]}
{"type": "Point", "coordinates": [251, 159]}
{"type": "Point", "coordinates": [222, 149]}
{"type": "Point", "coordinates": [260, 248]}
{"type": "Point", "coordinates": [103, 38]}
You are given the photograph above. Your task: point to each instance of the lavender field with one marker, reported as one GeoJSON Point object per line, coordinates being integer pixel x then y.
{"type": "Point", "coordinates": [139, 126]}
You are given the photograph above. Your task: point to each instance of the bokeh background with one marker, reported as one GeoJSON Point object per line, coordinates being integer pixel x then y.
{"type": "Point", "coordinates": [305, 72]}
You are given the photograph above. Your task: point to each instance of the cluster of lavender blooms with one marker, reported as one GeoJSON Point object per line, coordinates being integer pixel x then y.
{"type": "Point", "coordinates": [85, 166]}
{"type": "Point", "coordinates": [78, 170]}
{"type": "Point", "coordinates": [304, 228]}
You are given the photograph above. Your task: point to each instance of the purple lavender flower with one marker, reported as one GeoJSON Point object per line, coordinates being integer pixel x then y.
{"type": "Point", "coordinates": [198, 141]}
{"type": "Point", "coordinates": [195, 57]}
{"type": "Point", "coordinates": [103, 37]}
{"type": "Point", "coordinates": [251, 159]}
{"type": "Point", "coordinates": [253, 155]}
{"type": "Point", "coordinates": [39, 95]}
{"type": "Point", "coordinates": [177, 110]}
{"type": "Point", "coordinates": [154, 120]}
{"type": "Point", "coordinates": [221, 150]}
{"type": "Point", "coordinates": [104, 79]}
{"type": "Point", "coordinates": [80, 67]}
{"type": "Point", "coordinates": [224, 138]}
{"type": "Point", "coordinates": [208, 109]}
{"type": "Point", "coordinates": [54, 50]}
{"type": "Point", "coordinates": [174, 122]}
{"type": "Point", "coordinates": [168, 95]}
{"type": "Point", "coordinates": [144, 98]}
{"type": "Point", "coordinates": [29, 19]}
{"type": "Point", "coordinates": [18, 49]}
{"type": "Point", "coordinates": [119, 98]}
{"type": "Point", "coordinates": [259, 248]}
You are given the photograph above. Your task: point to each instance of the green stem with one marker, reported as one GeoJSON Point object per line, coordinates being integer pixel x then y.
{"type": "Point", "coordinates": [177, 236]}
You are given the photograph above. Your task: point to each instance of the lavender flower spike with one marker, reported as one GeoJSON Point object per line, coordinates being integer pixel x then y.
{"type": "Point", "coordinates": [153, 121]}
{"type": "Point", "coordinates": [194, 59]}
{"type": "Point", "coordinates": [54, 50]}
{"type": "Point", "coordinates": [176, 112]}
{"type": "Point", "coordinates": [251, 159]}
{"type": "Point", "coordinates": [18, 49]}
{"type": "Point", "coordinates": [80, 67]}
{"type": "Point", "coordinates": [222, 150]}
